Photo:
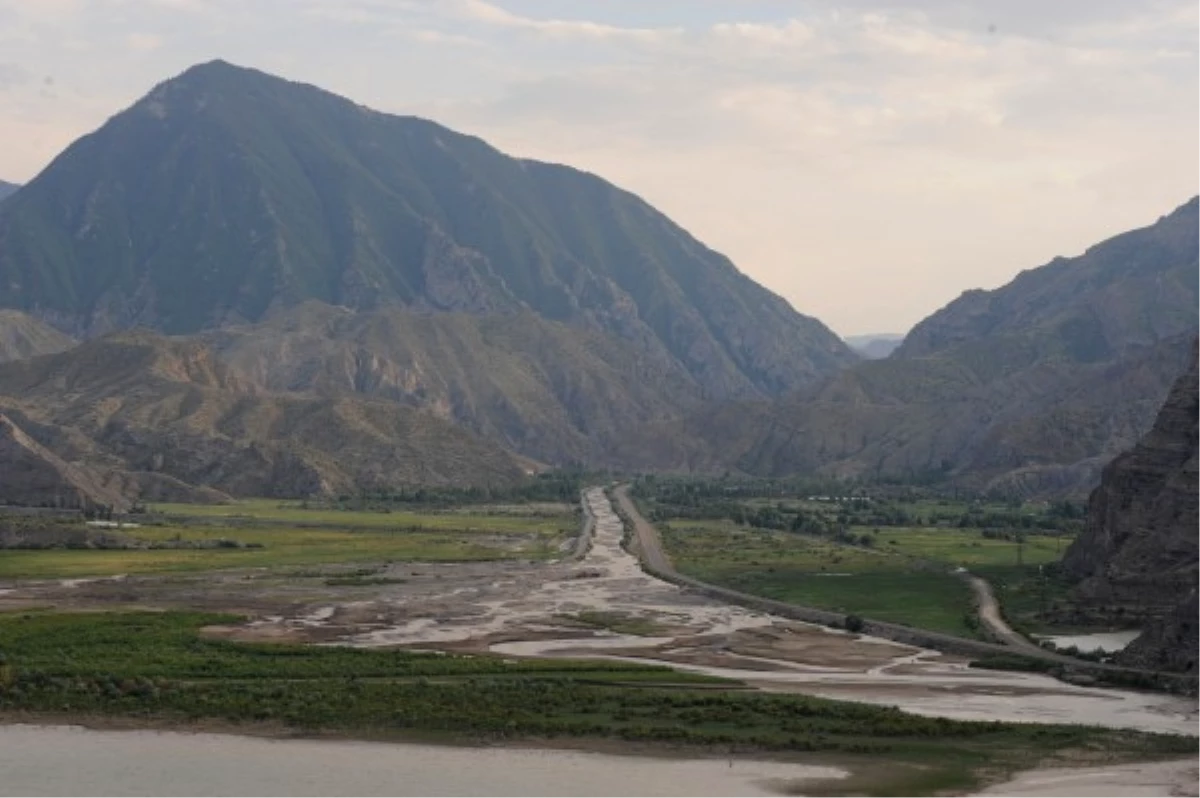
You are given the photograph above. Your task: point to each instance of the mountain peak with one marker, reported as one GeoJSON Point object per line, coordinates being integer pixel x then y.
{"type": "Point", "coordinates": [227, 194]}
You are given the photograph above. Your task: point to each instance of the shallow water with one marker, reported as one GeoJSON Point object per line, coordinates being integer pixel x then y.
{"type": "Point", "coordinates": [1177, 777]}
{"type": "Point", "coordinates": [68, 760]}
{"type": "Point", "coordinates": [1107, 642]}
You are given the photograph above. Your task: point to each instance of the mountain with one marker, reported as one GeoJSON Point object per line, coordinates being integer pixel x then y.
{"type": "Point", "coordinates": [21, 336]}
{"type": "Point", "coordinates": [32, 475]}
{"type": "Point", "coordinates": [226, 194]}
{"type": "Point", "coordinates": [162, 417]}
{"type": "Point", "coordinates": [874, 347]}
{"type": "Point", "coordinates": [1026, 390]}
{"type": "Point", "coordinates": [1129, 291]}
{"type": "Point", "coordinates": [1046, 431]}
{"type": "Point", "coordinates": [1137, 556]}
{"type": "Point", "coordinates": [7, 188]}
{"type": "Point", "coordinates": [548, 390]}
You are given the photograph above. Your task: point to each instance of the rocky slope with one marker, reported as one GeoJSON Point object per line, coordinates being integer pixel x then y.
{"type": "Point", "coordinates": [31, 475]}
{"type": "Point", "coordinates": [226, 194]}
{"type": "Point", "coordinates": [1042, 432]}
{"type": "Point", "coordinates": [1129, 291]}
{"type": "Point", "coordinates": [156, 417]}
{"type": "Point", "coordinates": [548, 390]}
{"type": "Point", "coordinates": [1137, 557]}
{"type": "Point", "coordinates": [22, 336]}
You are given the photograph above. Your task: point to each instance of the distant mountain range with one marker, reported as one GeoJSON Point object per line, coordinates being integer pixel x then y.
{"type": "Point", "coordinates": [1029, 389]}
{"type": "Point", "coordinates": [874, 347]}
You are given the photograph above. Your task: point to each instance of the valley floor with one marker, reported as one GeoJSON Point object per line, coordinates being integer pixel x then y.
{"type": "Point", "coordinates": [602, 606]}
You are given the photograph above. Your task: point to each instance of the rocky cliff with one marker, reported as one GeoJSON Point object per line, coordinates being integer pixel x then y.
{"type": "Point", "coordinates": [1137, 557]}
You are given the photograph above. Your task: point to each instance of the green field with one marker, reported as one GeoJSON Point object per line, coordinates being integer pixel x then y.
{"type": "Point", "coordinates": [154, 668]}
{"type": "Point", "coordinates": [964, 547]}
{"type": "Point", "coordinates": [317, 537]}
{"type": "Point", "coordinates": [498, 518]}
{"type": "Point", "coordinates": [874, 583]}
{"type": "Point", "coordinates": [884, 552]}
{"type": "Point", "coordinates": [904, 576]}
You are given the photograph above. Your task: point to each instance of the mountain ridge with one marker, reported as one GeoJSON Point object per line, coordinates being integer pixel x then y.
{"type": "Point", "coordinates": [152, 414]}
{"type": "Point", "coordinates": [1021, 399]}
{"type": "Point", "coordinates": [550, 391]}
{"type": "Point", "coordinates": [274, 193]}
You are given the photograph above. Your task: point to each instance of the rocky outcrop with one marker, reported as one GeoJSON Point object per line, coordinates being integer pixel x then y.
{"type": "Point", "coordinates": [1137, 557]}
{"type": "Point", "coordinates": [1168, 644]}
{"type": "Point", "coordinates": [31, 475]}
{"type": "Point", "coordinates": [162, 419]}
{"type": "Point", "coordinates": [21, 335]}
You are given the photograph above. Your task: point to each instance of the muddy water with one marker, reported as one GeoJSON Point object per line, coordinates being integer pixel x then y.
{"type": "Point", "coordinates": [66, 760]}
{"type": "Point", "coordinates": [1179, 777]}
{"type": "Point", "coordinates": [1107, 642]}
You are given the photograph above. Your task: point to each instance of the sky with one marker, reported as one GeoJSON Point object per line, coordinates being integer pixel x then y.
{"type": "Point", "coordinates": [868, 160]}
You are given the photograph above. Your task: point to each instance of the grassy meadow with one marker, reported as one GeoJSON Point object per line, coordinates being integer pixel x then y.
{"type": "Point", "coordinates": [268, 533]}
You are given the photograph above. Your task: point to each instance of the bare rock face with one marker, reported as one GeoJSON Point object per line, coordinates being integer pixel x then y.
{"type": "Point", "coordinates": [1169, 644]}
{"type": "Point", "coordinates": [1137, 557]}
{"type": "Point", "coordinates": [34, 476]}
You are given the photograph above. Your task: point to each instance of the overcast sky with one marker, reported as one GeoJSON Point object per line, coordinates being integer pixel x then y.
{"type": "Point", "coordinates": [867, 159]}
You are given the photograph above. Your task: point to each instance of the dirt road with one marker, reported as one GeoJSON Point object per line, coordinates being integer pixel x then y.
{"type": "Point", "coordinates": [649, 545]}
{"type": "Point", "coordinates": [989, 614]}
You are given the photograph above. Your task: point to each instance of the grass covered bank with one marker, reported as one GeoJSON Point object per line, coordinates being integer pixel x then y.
{"type": "Point", "coordinates": [155, 668]}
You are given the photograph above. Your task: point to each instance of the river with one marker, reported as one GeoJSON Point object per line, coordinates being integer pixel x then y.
{"type": "Point", "coordinates": [69, 760]}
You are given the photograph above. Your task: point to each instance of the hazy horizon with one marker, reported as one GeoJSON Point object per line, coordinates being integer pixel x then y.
{"type": "Point", "coordinates": [868, 161]}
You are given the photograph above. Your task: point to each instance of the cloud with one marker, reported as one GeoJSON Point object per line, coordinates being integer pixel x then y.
{"type": "Point", "coordinates": [487, 13]}
{"type": "Point", "coordinates": [143, 42]}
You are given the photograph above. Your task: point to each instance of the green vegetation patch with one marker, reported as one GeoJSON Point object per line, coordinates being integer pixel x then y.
{"type": "Point", "coordinates": [541, 517]}
{"type": "Point", "coordinates": [869, 582]}
{"type": "Point", "coordinates": [445, 539]}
